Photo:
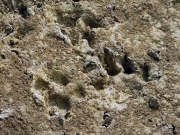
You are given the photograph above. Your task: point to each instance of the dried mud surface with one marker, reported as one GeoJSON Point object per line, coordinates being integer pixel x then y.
{"type": "Point", "coordinates": [99, 67]}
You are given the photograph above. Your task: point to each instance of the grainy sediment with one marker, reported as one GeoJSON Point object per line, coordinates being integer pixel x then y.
{"type": "Point", "coordinates": [99, 67]}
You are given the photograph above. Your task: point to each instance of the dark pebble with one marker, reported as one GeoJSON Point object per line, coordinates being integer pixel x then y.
{"type": "Point", "coordinates": [153, 103]}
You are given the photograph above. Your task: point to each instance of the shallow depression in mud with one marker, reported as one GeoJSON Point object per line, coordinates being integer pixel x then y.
{"type": "Point", "coordinates": [61, 101]}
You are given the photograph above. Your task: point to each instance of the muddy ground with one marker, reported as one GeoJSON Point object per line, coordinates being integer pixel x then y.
{"type": "Point", "coordinates": [78, 67]}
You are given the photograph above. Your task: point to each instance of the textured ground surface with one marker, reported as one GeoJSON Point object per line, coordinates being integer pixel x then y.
{"type": "Point", "coordinates": [97, 67]}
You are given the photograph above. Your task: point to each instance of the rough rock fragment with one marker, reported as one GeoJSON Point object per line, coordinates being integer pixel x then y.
{"type": "Point", "coordinates": [89, 65]}
{"type": "Point", "coordinates": [111, 7]}
{"type": "Point", "coordinates": [5, 113]}
{"type": "Point", "coordinates": [85, 47]}
{"type": "Point", "coordinates": [62, 133]}
{"type": "Point", "coordinates": [153, 103]}
{"type": "Point", "coordinates": [59, 34]}
{"type": "Point", "coordinates": [13, 42]}
{"type": "Point", "coordinates": [167, 128]}
{"type": "Point", "coordinates": [107, 119]}
{"type": "Point", "coordinates": [96, 72]}
{"type": "Point", "coordinates": [155, 54]}
{"type": "Point", "coordinates": [39, 99]}
{"type": "Point", "coordinates": [15, 51]}
{"type": "Point", "coordinates": [9, 29]}
{"type": "Point", "coordinates": [154, 73]}
{"type": "Point", "coordinates": [113, 68]}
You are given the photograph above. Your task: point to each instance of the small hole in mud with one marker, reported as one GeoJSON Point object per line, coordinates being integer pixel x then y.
{"type": "Point", "coordinates": [68, 115]}
{"type": "Point", "coordinates": [40, 83]}
{"type": "Point", "coordinates": [126, 66]}
{"type": "Point", "coordinates": [92, 22]}
{"type": "Point", "coordinates": [62, 102]}
{"type": "Point", "coordinates": [39, 5]}
{"type": "Point", "coordinates": [145, 72]}
{"type": "Point", "coordinates": [3, 56]}
{"type": "Point", "coordinates": [112, 73]}
{"type": "Point", "coordinates": [90, 38]}
{"type": "Point", "coordinates": [99, 85]}
{"type": "Point", "coordinates": [23, 11]}
{"type": "Point", "coordinates": [30, 76]}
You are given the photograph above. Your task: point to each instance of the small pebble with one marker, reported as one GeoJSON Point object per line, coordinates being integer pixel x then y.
{"type": "Point", "coordinates": [89, 65]}
{"type": "Point", "coordinates": [153, 103]}
{"type": "Point", "coordinates": [107, 119]}
{"type": "Point", "coordinates": [155, 54]}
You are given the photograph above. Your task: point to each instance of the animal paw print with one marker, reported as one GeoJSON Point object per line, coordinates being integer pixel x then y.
{"type": "Point", "coordinates": [47, 89]}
